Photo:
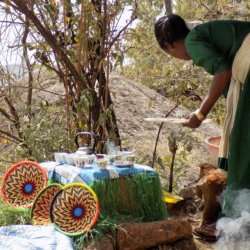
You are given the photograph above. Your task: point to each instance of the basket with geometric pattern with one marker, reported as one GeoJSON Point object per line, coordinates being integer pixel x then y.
{"type": "Point", "coordinates": [74, 209]}
{"type": "Point", "coordinates": [41, 206]}
{"type": "Point", "coordinates": [22, 183]}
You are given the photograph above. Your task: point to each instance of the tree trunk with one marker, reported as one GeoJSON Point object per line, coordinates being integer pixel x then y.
{"type": "Point", "coordinates": [168, 7]}
{"type": "Point", "coordinates": [110, 128]}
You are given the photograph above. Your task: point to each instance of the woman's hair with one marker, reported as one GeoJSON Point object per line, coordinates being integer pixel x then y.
{"type": "Point", "coordinates": [169, 29]}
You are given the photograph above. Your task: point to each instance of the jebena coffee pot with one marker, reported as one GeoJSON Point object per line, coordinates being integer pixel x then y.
{"type": "Point", "coordinates": [86, 149]}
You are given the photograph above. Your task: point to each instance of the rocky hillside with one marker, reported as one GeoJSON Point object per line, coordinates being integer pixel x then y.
{"type": "Point", "coordinates": [133, 102]}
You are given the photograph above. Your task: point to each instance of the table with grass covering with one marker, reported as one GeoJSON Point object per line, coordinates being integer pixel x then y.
{"type": "Point", "coordinates": [134, 192]}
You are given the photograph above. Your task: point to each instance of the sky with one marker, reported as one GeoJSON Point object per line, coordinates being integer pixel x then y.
{"type": "Point", "coordinates": [11, 55]}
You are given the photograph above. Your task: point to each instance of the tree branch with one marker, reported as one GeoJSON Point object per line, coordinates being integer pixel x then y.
{"type": "Point", "coordinates": [158, 134]}
{"type": "Point", "coordinates": [29, 67]}
{"type": "Point", "coordinates": [18, 140]}
{"type": "Point", "coordinates": [21, 6]}
{"type": "Point", "coordinates": [133, 17]}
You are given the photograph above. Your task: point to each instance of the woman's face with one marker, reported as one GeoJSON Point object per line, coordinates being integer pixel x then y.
{"type": "Point", "coordinates": [177, 50]}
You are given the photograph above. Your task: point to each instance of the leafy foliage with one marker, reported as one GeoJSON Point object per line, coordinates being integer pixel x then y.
{"type": "Point", "coordinates": [213, 9]}
{"type": "Point", "coordinates": [180, 145]}
{"type": "Point", "coordinates": [47, 133]}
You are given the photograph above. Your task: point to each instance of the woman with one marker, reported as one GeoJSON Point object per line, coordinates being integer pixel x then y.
{"type": "Point", "coordinates": [222, 48]}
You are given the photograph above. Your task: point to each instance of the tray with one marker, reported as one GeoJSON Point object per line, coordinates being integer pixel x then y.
{"type": "Point", "coordinates": [171, 120]}
{"type": "Point", "coordinates": [123, 164]}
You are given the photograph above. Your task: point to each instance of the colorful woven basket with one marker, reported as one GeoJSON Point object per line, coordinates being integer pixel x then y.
{"type": "Point", "coordinates": [22, 183]}
{"type": "Point", "coordinates": [41, 206]}
{"type": "Point", "coordinates": [74, 209]}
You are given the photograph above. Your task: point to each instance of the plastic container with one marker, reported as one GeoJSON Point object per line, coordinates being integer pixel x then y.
{"type": "Point", "coordinates": [70, 159]}
{"type": "Point", "coordinates": [130, 159]}
{"type": "Point", "coordinates": [60, 157]}
{"type": "Point", "coordinates": [213, 147]}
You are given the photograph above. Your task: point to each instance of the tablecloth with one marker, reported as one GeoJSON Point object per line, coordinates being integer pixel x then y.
{"type": "Point", "coordinates": [66, 174]}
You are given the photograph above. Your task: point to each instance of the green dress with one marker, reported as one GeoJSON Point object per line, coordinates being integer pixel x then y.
{"type": "Point", "coordinates": [213, 46]}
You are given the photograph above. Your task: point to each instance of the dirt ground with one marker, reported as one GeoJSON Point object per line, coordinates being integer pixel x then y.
{"type": "Point", "coordinates": [133, 102]}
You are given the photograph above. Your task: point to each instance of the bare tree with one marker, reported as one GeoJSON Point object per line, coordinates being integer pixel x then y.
{"type": "Point", "coordinates": [168, 7]}
{"type": "Point", "coordinates": [76, 40]}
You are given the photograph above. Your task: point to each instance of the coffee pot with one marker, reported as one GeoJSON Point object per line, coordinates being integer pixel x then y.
{"type": "Point", "coordinates": [86, 149]}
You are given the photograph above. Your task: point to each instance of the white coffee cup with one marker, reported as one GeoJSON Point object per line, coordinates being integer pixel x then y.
{"type": "Point", "coordinates": [83, 160]}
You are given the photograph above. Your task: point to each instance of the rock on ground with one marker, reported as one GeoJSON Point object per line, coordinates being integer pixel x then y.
{"type": "Point", "coordinates": [139, 236]}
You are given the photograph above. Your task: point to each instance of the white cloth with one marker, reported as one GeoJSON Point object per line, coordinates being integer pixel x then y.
{"type": "Point", "coordinates": [240, 68]}
{"type": "Point", "coordinates": [113, 173]}
{"type": "Point", "coordinates": [28, 237]}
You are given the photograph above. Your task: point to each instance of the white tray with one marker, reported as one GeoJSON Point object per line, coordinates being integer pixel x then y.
{"type": "Point", "coordinates": [170, 120]}
{"type": "Point", "coordinates": [121, 164]}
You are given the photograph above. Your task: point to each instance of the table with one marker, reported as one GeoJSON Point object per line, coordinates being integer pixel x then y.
{"type": "Point", "coordinates": [122, 191]}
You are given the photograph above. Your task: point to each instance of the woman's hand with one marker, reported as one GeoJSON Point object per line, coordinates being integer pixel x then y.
{"type": "Point", "coordinates": [218, 84]}
{"type": "Point", "coordinates": [192, 121]}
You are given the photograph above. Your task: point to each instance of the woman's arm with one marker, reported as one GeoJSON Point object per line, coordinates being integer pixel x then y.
{"type": "Point", "coordinates": [217, 87]}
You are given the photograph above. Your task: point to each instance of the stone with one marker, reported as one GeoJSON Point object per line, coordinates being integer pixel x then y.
{"type": "Point", "coordinates": [187, 193]}
{"type": "Point", "coordinates": [105, 243]}
{"type": "Point", "coordinates": [209, 189]}
{"type": "Point", "coordinates": [205, 168]}
{"type": "Point", "coordinates": [186, 206]}
{"type": "Point", "coordinates": [139, 236]}
{"type": "Point", "coordinates": [185, 244]}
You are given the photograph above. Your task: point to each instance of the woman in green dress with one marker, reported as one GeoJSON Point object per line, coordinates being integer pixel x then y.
{"type": "Point", "coordinates": [222, 48]}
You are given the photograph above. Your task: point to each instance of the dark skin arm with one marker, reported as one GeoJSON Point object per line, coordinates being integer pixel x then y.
{"type": "Point", "coordinates": [218, 84]}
